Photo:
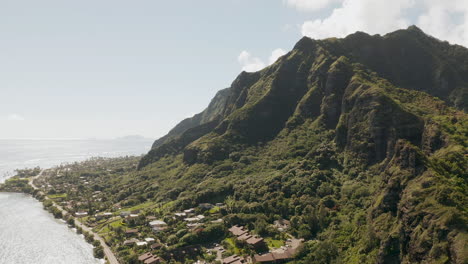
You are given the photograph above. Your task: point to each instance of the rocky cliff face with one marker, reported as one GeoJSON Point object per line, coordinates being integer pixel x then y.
{"type": "Point", "coordinates": [383, 104]}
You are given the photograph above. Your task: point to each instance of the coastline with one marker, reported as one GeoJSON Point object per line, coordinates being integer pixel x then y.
{"type": "Point", "coordinates": [41, 197]}
{"type": "Point", "coordinates": [78, 227]}
{"type": "Point", "coordinates": [48, 239]}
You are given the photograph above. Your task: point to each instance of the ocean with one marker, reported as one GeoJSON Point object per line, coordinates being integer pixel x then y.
{"type": "Point", "coordinates": [28, 153]}
{"type": "Point", "coordinates": [29, 234]}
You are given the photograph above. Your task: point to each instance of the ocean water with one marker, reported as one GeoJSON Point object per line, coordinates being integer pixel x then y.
{"type": "Point", "coordinates": [29, 234]}
{"type": "Point", "coordinates": [23, 153]}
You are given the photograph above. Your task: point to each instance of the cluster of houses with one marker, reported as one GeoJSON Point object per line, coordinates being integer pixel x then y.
{"type": "Point", "coordinates": [243, 234]}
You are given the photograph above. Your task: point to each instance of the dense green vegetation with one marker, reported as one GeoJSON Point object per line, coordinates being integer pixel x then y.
{"type": "Point", "coordinates": [360, 142]}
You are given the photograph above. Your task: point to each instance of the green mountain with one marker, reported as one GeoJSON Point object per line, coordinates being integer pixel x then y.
{"type": "Point", "coordinates": [361, 142]}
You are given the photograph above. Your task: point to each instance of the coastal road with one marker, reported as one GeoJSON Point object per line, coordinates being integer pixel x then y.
{"type": "Point", "coordinates": [107, 251]}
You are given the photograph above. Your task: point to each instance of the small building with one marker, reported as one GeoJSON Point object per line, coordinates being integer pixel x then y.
{"type": "Point", "coordinates": [132, 231]}
{"type": "Point", "coordinates": [206, 206]}
{"type": "Point", "coordinates": [274, 257]}
{"type": "Point", "coordinates": [141, 243]}
{"type": "Point", "coordinates": [149, 239]}
{"type": "Point", "coordinates": [180, 214]}
{"type": "Point", "coordinates": [233, 260]}
{"type": "Point", "coordinates": [194, 219]}
{"type": "Point", "coordinates": [130, 241]}
{"type": "Point", "coordinates": [158, 229]}
{"type": "Point", "coordinates": [81, 214]}
{"type": "Point", "coordinates": [155, 246]}
{"type": "Point", "coordinates": [124, 214]}
{"type": "Point", "coordinates": [145, 256]}
{"type": "Point", "coordinates": [103, 215]}
{"type": "Point", "coordinates": [255, 241]}
{"type": "Point", "coordinates": [153, 260]}
{"type": "Point", "coordinates": [157, 223]}
{"type": "Point", "coordinates": [189, 211]}
{"type": "Point", "coordinates": [237, 230]}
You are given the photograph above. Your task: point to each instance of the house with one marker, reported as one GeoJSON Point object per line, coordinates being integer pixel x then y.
{"type": "Point", "coordinates": [157, 223]}
{"type": "Point", "coordinates": [158, 229]}
{"type": "Point", "coordinates": [103, 215]}
{"type": "Point", "coordinates": [141, 243]}
{"type": "Point", "coordinates": [149, 239]}
{"type": "Point", "coordinates": [233, 260]}
{"type": "Point", "coordinates": [130, 242]}
{"type": "Point", "coordinates": [155, 246]}
{"type": "Point", "coordinates": [279, 256]}
{"type": "Point", "coordinates": [274, 257]}
{"type": "Point", "coordinates": [145, 256]}
{"type": "Point", "coordinates": [81, 214]}
{"type": "Point", "coordinates": [194, 219]}
{"type": "Point", "coordinates": [131, 231]}
{"type": "Point", "coordinates": [189, 211]}
{"type": "Point", "coordinates": [255, 241]}
{"type": "Point", "coordinates": [180, 214]}
{"type": "Point", "coordinates": [206, 206]}
{"type": "Point", "coordinates": [124, 214]}
{"type": "Point", "coordinates": [237, 231]}
{"type": "Point", "coordinates": [153, 260]}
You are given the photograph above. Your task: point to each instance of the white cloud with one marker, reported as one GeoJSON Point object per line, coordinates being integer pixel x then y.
{"type": "Point", "coordinates": [444, 19]}
{"type": "Point", "coordinates": [447, 20]}
{"type": "Point", "coordinates": [14, 117]}
{"type": "Point", "coordinates": [275, 55]}
{"type": "Point", "coordinates": [371, 16]}
{"type": "Point", "coordinates": [309, 5]}
{"type": "Point", "coordinates": [250, 63]}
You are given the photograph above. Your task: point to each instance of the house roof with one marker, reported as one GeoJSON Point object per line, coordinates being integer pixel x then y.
{"type": "Point", "coordinates": [157, 223]}
{"type": "Point", "coordinates": [244, 236]}
{"type": "Point", "coordinates": [145, 256]}
{"type": "Point", "coordinates": [231, 259]}
{"type": "Point", "coordinates": [131, 231]}
{"type": "Point", "coordinates": [156, 245]}
{"type": "Point", "coordinates": [281, 256]}
{"type": "Point", "coordinates": [237, 231]}
{"type": "Point", "coordinates": [130, 241]}
{"type": "Point", "coordinates": [264, 258]}
{"type": "Point", "coordinates": [152, 260]}
{"type": "Point", "coordinates": [254, 240]}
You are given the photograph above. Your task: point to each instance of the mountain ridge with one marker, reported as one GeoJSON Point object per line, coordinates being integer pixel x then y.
{"type": "Point", "coordinates": [362, 131]}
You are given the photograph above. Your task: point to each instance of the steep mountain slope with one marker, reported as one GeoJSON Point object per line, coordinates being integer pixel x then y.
{"type": "Point", "coordinates": [361, 142]}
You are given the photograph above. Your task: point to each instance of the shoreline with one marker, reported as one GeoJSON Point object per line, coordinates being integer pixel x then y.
{"type": "Point", "coordinates": [41, 197]}
{"type": "Point", "coordinates": [38, 195]}
{"type": "Point", "coordinates": [61, 220]}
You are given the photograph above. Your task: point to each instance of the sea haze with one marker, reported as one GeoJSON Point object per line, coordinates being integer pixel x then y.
{"type": "Point", "coordinates": [21, 153]}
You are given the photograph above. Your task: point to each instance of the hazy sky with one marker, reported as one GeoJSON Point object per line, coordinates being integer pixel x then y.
{"type": "Point", "coordinates": [110, 68]}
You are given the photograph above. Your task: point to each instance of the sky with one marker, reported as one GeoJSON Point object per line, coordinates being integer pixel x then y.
{"type": "Point", "coordinates": [111, 68]}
